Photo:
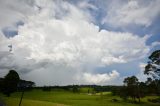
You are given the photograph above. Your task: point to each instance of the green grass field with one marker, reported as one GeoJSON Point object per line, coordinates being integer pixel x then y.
{"type": "Point", "coordinates": [64, 98]}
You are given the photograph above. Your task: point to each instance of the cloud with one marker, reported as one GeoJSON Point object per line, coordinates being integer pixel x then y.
{"type": "Point", "coordinates": [59, 42]}
{"type": "Point", "coordinates": [141, 75]}
{"type": "Point", "coordinates": [14, 11]}
{"type": "Point", "coordinates": [65, 41]}
{"type": "Point", "coordinates": [100, 78]}
{"type": "Point", "coordinates": [155, 44]}
{"type": "Point", "coordinates": [138, 12]}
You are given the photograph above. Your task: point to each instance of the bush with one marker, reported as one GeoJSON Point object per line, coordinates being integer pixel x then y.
{"type": "Point", "coordinates": [114, 100]}
{"type": "Point", "coordinates": [157, 100]}
{"type": "Point", "coordinates": [46, 88]}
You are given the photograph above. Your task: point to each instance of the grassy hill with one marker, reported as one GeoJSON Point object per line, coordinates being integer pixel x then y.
{"type": "Point", "coordinates": [63, 98]}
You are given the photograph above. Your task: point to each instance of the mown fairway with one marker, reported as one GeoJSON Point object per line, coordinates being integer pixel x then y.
{"type": "Point", "coordinates": [63, 98]}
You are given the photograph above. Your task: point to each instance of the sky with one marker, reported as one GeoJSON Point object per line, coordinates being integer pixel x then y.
{"type": "Point", "coordinates": [65, 42]}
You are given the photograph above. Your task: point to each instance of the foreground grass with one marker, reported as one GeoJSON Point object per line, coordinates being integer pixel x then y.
{"type": "Point", "coordinates": [26, 102]}
{"type": "Point", "coordinates": [62, 98]}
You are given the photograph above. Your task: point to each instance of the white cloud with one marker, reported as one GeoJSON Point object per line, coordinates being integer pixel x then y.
{"type": "Point", "coordinates": [85, 4]}
{"type": "Point", "coordinates": [142, 66]}
{"type": "Point", "coordinates": [57, 46]}
{"type": "Point", "coordinates": [100, 78]}
{"type": "Point", "coordinates": [138, 12]}
{"type": "Point", "coordinates": [141, 75]}
{"type": "Point", "coordinates": [155, 44]}
{"type": "Point", "coordinates": [70, 41]}
{"type": "Point", "coordinates": [14, 11]}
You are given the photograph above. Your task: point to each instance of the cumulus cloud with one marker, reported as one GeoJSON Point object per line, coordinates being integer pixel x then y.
{"type": "Point", "coordinates": [14, 11]}
{"type": "Point", "coordinates": [138, 12]}
{"type": "Point", "coordinates": [59, 42]}
{"type": "Point", "coordinates": [141, 75]}
{"type": "Point", "coordinates": [100, 78]}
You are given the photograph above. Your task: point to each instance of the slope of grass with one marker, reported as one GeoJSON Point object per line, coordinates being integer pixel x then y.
{"type": "Point", "coordinates": [27, 102]}
{"type": "Point", "coordinates": [52, 98]}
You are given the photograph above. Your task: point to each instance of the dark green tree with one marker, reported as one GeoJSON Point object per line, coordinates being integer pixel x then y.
{"type": "Point", "coordinates": [124, 93]}
{"type": "Point", "coordinates": [10, 82]}
{"type": "Point", "coordinates": [153, 69]}
{"type": "Point", "coordinates": [153, 66]}
{"type": "Point", "coordinates": [1, 84]}
{"type": "Point", "coordinates": [75, 89]}
{"type": "Point", "coordinates": [142, 87]}
{"type": "Point", "coordinates": [132, 88]}
{"type": "Point", "coordinates": [153, 86]}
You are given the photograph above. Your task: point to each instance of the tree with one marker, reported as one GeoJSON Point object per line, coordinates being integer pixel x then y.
{"type": "Point", "coordinates": [46, 88]}
{"type": "Point", "coordinates": [75, 89]}
{"type": "Point", "coordinates": [153, 86]}
{"type": "Point", "coordinates": [10, 82]}
{"type": "Point", "coordinates": [123, 93]}
{"type": "Point", "coordinates": [27, 85]}
{"type": "Point", "coordinates": [142, 89]}
{"type": "Point", "coordinates": [1, 84]}
{"type": "Point", "coordinates": [132, 88]}
{"type": "Point", "coordinates": [153, 69]}
{"type": "Point", "coordinates": [130, 81]}
{"type": "Point", "coordinates": [153, 66]}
